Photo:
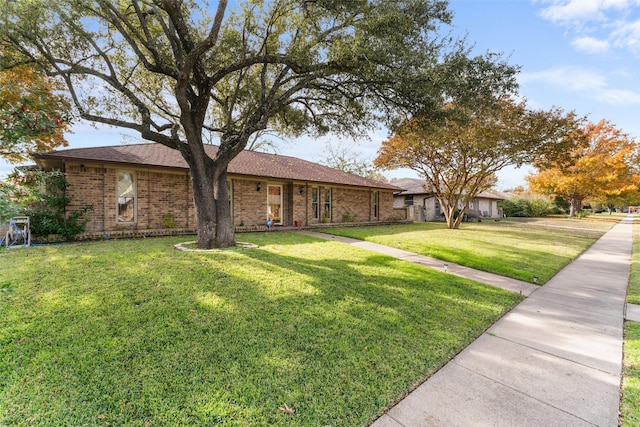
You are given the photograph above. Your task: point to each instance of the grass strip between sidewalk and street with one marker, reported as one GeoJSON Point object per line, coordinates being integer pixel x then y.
{"type": "Point", "coordinates": [630, 398]}
{"type": "Point", "coordinates": [517, 248]}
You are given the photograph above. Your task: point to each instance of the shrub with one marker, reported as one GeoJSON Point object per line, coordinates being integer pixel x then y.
{"type": "Point", "coordinates": [521, 207]}
{"type": "Point", "coordinates": [539, 207]}
{"type": "Point", "coordinates": [516, 207]}
{"type": "Point", "coordinates": [169, 221]}
{"type": "Point", "coordinates": [560, 205]}
{"type": "Point", "coordinates": [42, 196]}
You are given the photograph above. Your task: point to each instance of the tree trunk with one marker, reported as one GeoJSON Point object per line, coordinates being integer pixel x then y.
{"type": "Point", "coordinates": [459, 218]}
{"type": "Point", "coordinates": [574, 207]}
{"type": "Point", "coordinates": [449, 211]}
{"type": "Point", "coordinates": [224, 236]}
{"type": "Point", "coordinates": [448, 214]}
{"type": "Point", "coordinates": [210, 194]}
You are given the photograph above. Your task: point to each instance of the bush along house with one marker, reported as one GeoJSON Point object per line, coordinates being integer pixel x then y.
{"type": "Point", "coordinates": [145, 189]}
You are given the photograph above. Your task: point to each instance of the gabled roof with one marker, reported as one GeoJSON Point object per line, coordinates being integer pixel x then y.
{"type": "Point", "coordinates": [414, 186]}
{"type": "Point", "coordinates": [411, 186]}
{"type": "Point", "coordinates": [249, 163]}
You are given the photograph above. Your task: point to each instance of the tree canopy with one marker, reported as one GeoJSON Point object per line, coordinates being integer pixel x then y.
{"type": "Point", "coordinates": [173, 70]}
{"type": "Point", "coordinates": [459, 151]}
{"type": "Point", "coordinates": [33, 113]}
{"type": "Point", "coordinates": [603, 168]}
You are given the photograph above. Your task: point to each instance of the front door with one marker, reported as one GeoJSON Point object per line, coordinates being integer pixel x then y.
{"type": "Point", "coordinates": [274, 204]}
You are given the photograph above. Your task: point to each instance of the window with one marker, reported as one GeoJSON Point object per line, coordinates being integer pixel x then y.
{"type": "Point", "coordinates": [327, 205]}
{"type": "Point", "coordinates": [438, 210]}
{"type": "Point", "coordinates": [408, 200]}
{"type": "Point", "coordinates": [376, 202]}
{"type": "Point", "coordinates": [315, 203]}
{"type": "Point", "coordinates": [126, 197]}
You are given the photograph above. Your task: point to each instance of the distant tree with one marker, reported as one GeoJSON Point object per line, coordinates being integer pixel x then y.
{"type": "Point", "coordinates": [33, 114]}
{"type": "Point", "coordinates": [605, 168]}
{"type": "Point", "coordinates": [519, 190]}
{"type": "Point", "coordinates": [459, 151]}
{"type": "Point", "coordinates": [342, 157]}
{"type": "Point", "coordinates": [172, 70]}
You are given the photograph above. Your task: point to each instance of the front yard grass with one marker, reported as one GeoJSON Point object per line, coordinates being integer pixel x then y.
{"type": "Point", "coordinates": [630, 401]}
{"type": "Point", "coordinates": [298, 332]}
{"type": "Point", "coordinates": [517, 248]}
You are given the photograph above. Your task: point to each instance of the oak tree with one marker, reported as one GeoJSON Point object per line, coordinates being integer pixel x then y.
{"type": "Point", "coordinates": [175, 69]}
{"type": "Point", "coordinates": [603, 169]}
{"type": "Point", "coordinates": [459, 151]}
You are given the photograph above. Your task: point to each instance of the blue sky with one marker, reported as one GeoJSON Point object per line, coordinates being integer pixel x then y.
{"type": "Point", "coordinates": [581, 55]}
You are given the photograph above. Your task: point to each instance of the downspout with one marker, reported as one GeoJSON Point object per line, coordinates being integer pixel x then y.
{"type": "Point", "coordinates": [306, 204]}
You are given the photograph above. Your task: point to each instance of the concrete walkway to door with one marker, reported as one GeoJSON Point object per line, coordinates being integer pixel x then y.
{"type": "Point", "coordinates": [554, 360]}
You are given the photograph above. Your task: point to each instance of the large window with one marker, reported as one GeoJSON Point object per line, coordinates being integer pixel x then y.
{"type": "Point", "coordinates": [326, 216]}
{"type": "Point", "coordinates": [315, 203]}
{"type": "Point", "coordinates": [376, 203]}
{"type": "Point", "coordinates": [126, 197]}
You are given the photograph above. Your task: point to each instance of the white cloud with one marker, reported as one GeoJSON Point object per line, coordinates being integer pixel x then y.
{"type": "Point", "coordinates": [627, 35]}
{"type": "Point", "coordinates": [586, 83]}
{"type": "Point", "coordinates": [571, 78]}
{"type": "Point", "coordinates": [591, 45]}
{"type": "Point", "coordinates": [575, 11]}
{"type": "Point", "coordinates": [618, 97]}
{"type": "Point", "coordinates": [611, 20]}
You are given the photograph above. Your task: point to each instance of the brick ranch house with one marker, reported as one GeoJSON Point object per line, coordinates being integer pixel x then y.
{"type": "Point", "coordinates": [146, 189]}
{"type": "Point", "coordinates": [422, 205]}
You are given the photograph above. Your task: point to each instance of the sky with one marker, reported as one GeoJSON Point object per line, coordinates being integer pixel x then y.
{"type": "Point", "coordinates": [579, 55]}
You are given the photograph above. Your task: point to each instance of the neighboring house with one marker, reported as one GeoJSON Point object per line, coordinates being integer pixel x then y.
{"type": "Point", "coordinates": [140, 188]}
{"type": "Point", "coordinates": [422, 204]}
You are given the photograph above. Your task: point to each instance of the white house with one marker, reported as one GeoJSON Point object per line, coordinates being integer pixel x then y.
{"type": "Point", "coordinates": [422, 204]}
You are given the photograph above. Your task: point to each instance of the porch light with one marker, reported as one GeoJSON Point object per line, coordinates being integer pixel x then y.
{"type": "Point", "coordinates": [258, 187]}
{"type": "Point", "coordinates": [301, 189]}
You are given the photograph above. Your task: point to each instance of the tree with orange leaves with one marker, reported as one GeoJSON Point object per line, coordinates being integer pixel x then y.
{"type": "Point", "coordinates": [606, 167]}
{"type": "Point", "coordinates": [33, 114]}
{"type": "Point", "coordinates": [459, 151]}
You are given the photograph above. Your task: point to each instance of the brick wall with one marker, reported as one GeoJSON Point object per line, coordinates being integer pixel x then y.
{"type": "Point", "coordinates": [387, 213]}
{"type": "Point", "coordinates": [86, 187]}
{"type": "Point", "coordinates": [157, 194]}
{"type": "Point", "coordinates": [351, 205]}
{"type": "Point", "coordinates": [166, 192]}
{"type": "Point", "coordinates": [249, 204]}
{"type": "Point", "coordinates": [161, 194]}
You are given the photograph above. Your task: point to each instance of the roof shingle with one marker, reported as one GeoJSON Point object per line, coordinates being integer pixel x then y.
{"type": "Point", "coordinates": [249, 163]}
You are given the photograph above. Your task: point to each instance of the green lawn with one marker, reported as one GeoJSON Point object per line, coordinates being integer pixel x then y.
{"type": "Point", "coordinates": [519, 249]}
{"type": "Point", "coordinates": [135, 333]}
{"type": "Point", "coordinates": [633, 292]}
{"type": "Point", "coordinates": [630, 400]}
{"type": "Point", "coordinates": [630, 404]}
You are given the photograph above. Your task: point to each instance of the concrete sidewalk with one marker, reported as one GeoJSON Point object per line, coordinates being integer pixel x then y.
{"type": "Point", "coordinates": [554, 360]}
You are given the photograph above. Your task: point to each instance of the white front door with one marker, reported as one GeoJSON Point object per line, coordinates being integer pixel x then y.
{"type": "Point", "coordinates": [274, 204]}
